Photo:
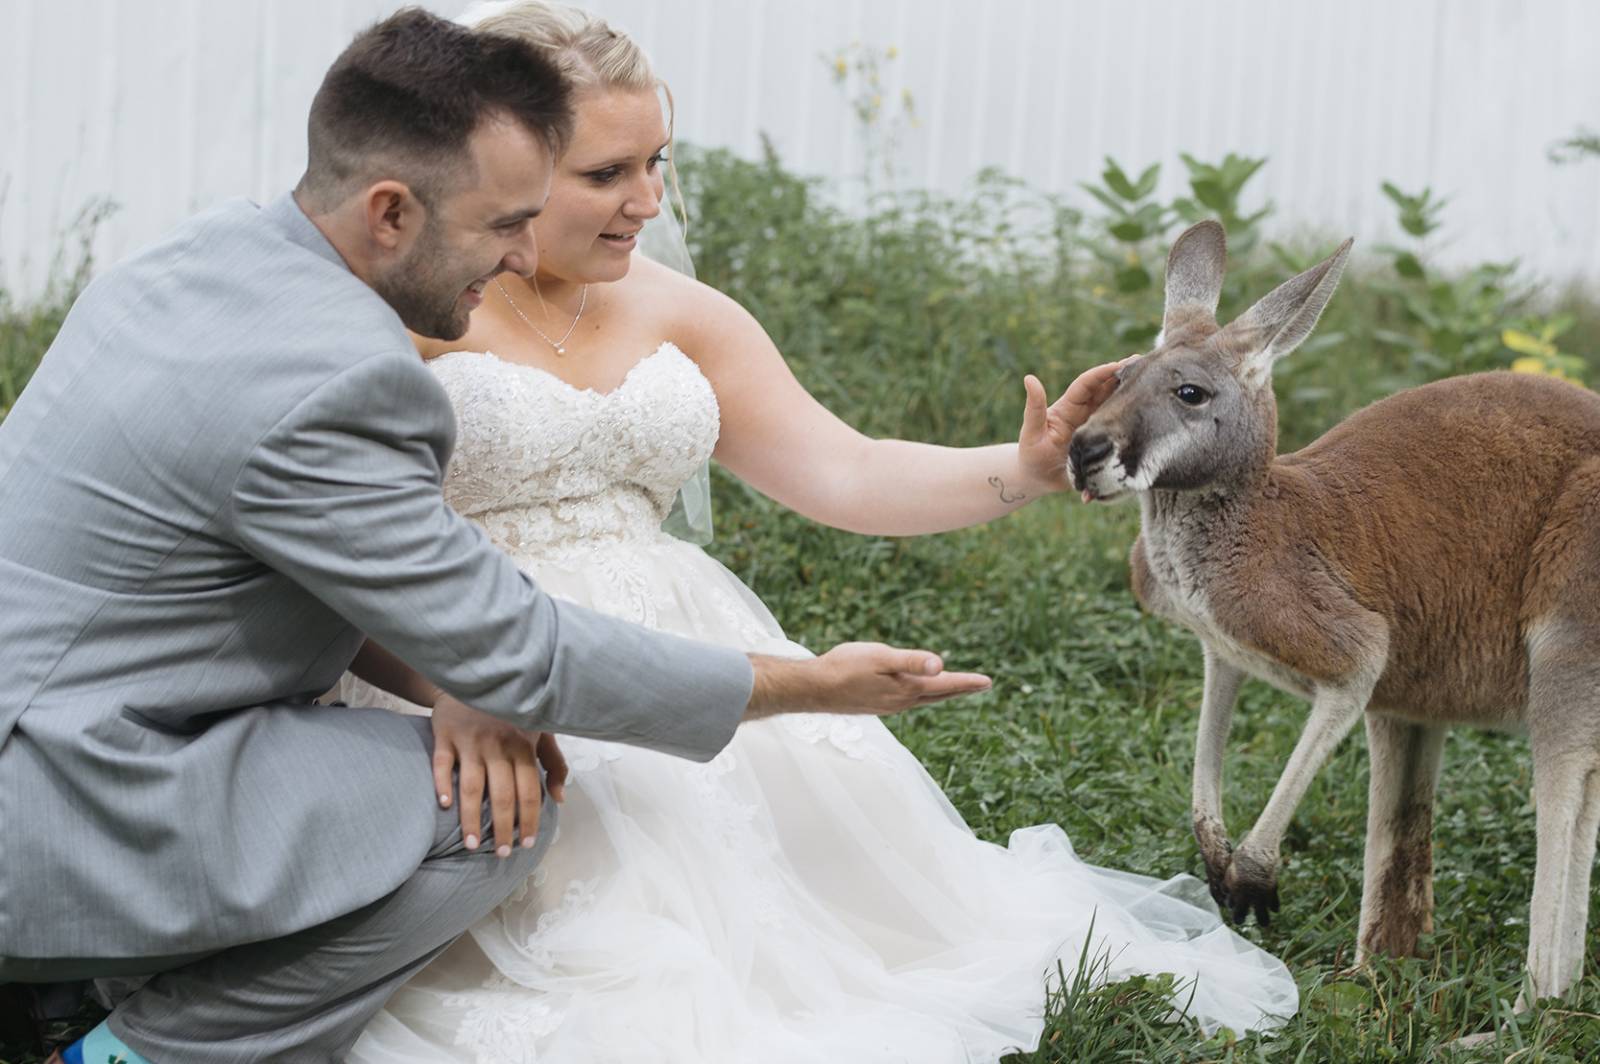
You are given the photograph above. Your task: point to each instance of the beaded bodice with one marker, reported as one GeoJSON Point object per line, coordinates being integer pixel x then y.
{"type": "Point", "coordinates": [545, 467]}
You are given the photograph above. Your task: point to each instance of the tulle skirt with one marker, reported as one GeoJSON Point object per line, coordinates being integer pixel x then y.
{"type": "Point", "coordinates": [807, 896]}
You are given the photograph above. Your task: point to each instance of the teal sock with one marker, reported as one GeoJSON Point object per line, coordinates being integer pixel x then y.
{"type": "Point", "coordinates": [100, 1046]}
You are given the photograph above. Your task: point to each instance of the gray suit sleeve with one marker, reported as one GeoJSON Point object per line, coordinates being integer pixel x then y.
{"type": "Point", "coordinates": [343, 496]}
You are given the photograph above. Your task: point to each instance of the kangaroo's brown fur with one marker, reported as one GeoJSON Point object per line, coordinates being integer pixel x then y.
{"type": "Point", "coordinates": [1433, 560]}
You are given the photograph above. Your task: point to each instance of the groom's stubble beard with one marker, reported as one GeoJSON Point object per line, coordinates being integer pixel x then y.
{"type": "Point", "coordinates": [423, 288]}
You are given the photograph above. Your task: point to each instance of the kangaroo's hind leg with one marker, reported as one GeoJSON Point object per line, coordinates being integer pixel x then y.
{"type": "Point", "coordinates": [1397, 888]}
{"type": "Point", "coordinates": [1562, 626]}
{"type": "Point", "coordinates": [1566, 780]}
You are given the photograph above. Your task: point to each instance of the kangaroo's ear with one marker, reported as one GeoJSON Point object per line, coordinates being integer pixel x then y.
{"type": "Point", "coordinates": [1195, 267]}
{"type": "Point", "coordinates": [1282, 319]}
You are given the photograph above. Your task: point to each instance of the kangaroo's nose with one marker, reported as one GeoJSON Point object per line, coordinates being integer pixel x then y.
{"type": "Point", "coordinates": [1085, 454]}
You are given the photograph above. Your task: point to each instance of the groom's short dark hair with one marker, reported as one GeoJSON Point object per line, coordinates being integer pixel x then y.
{"type": "Point", "coordinates": [401, 101]}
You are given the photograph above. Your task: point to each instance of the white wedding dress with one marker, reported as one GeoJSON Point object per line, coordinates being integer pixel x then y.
{"type": "Point", "coordinates": [807, 896]}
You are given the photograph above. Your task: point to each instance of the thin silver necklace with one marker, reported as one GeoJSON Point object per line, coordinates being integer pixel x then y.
{"type": "Point", "coordinates": [561, 344]}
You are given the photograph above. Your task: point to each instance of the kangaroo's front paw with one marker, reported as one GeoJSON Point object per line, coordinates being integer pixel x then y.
{"type": "Point", "coordinates": [1217, 853]}
{"type": "Point", "coordinates": [1251, 885]}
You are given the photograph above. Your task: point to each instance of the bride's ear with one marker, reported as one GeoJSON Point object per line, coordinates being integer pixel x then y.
{"type": "Point", "coordinates": [393, 214]}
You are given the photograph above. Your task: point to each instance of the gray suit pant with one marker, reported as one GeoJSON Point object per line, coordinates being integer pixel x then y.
{"type": "Point", "coordinates": [305, 998]}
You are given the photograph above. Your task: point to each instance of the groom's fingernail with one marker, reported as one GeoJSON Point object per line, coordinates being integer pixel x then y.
{"type": "Point", "coordinates": [472, 842]}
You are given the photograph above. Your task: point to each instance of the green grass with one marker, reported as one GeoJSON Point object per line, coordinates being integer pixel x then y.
{"type": "Point", "coordinates": [1090, 726]}
{"type": "Point", "coordinates": [919, 323]}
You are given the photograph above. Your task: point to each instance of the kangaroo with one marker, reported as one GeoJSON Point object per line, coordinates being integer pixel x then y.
{"type": "Point", "coordinates": [1432, 560]}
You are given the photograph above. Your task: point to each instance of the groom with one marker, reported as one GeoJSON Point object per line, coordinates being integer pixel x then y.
{"type": "Point", "coordinates": [225, 472]}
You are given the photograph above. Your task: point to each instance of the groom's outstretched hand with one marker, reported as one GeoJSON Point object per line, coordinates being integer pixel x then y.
{"type": "Point", "coordinates": [482, 750]}
{"type": "Point", "coordinates": [861, 678]}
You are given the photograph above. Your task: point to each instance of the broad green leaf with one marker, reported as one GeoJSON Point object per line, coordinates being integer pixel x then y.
{"type": "Point", "coordinates": [1133, 279]}
{"type": "Point", "coordinates": [1210, 193]}
{"type": "Point", "coordinates": [1147, 180]}
{"type": "Point", "coordinates": [1523, 344]}
{"type": "Point", "coordinates": [1132, 230]}
{"type": "Point", "coordinates": [1408, 265]}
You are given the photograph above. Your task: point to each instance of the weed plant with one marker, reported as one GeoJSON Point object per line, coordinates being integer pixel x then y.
{"type": "Point", "coordinates": [918, 321]}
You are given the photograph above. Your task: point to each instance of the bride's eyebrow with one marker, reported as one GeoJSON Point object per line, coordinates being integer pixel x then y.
{"type": "Point", "coordinates": [621, 160]}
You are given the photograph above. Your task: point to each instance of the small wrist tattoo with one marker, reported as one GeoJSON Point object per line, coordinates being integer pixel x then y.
{"type": "Point", "coordinates": [1000, 485]}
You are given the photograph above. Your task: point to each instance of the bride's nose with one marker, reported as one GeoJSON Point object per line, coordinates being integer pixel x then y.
{"type": "Point", "coordinates": [644, 200]}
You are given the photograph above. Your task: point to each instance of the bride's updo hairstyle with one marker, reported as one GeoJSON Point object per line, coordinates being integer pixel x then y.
{"type": "Point", "coordinates": [583, 47]}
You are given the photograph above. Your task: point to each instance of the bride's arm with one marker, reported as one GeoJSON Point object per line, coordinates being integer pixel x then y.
{"type": "Point", "coordinates": [778, 439]}
{"type": "Point", "coordinates": [383, 670]}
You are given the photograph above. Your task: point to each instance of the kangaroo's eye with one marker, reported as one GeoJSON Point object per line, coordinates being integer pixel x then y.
{"type": "Point", "coordinates": [1192, 394]}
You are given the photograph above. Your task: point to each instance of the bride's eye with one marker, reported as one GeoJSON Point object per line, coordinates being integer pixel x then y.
{"type": "Point", "coordinates": [604, 177]}
{"type": "Point", "coordinates": [655, 160]}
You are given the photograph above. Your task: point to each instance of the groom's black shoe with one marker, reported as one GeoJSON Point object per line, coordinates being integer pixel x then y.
{"type": "Point", "coordinates": [21, 1017]}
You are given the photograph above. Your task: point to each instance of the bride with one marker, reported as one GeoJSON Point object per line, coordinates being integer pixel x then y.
{"type": "Point", "coordinates": [810, 895]}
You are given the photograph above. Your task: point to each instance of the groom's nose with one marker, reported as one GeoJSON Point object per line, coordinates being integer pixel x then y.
{"type": "Point", "coordinates": [523, 258]}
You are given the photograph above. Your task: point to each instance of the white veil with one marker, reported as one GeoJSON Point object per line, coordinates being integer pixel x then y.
{"type": "Point", "coordinates": [661, 241]}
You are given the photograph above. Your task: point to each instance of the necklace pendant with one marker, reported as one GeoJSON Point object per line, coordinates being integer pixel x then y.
{"type": "Point", "coordinates": [561, 350]}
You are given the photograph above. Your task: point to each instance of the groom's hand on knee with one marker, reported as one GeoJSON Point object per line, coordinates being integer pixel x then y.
{"type": "Point", "coordinates": [481, 751]}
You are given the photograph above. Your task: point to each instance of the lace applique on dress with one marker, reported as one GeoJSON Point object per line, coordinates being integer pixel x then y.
{"type": "Point", "coordinates": [842, 733]}
{"type": "Point", "coordinates": [553, 471]}
{"type": "Point", "coordinates": [735, 821]}
{"type": "Point", "coordinates": [501, 1022]}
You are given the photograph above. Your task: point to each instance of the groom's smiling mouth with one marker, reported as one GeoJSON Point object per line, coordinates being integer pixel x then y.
{"type": "Point", "coordinates": [474, 291]}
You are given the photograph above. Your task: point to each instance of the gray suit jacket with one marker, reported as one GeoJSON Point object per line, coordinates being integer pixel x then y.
{"type": "Point", "coordinates": [226, 469]}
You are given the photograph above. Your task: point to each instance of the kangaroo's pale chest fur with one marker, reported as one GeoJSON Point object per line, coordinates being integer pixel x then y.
{"type": "Point", "coordinates": [1176, 587]}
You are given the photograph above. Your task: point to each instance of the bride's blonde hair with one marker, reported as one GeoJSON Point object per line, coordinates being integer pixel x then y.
{"type": "Point", "coordinates": [585, 49]}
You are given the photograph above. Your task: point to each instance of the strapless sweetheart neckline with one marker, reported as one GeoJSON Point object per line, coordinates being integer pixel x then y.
{"type": "Point", "coordinates": [664, 346]}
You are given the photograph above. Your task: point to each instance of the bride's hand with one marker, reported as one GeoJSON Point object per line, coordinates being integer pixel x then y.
{"type": "Point", "coordinates": [856, 678]}
{"type": "Point", "coordinates": [482, 749]}
{"type": "Point", "coordinates": [1047, 430]}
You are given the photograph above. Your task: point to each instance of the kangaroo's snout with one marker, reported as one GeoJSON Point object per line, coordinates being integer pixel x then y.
{"type": "Point", "coordinates": [1085, 454]}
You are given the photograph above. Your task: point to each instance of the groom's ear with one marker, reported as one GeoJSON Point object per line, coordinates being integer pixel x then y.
{"type": "Point", "coordinates": [394, 215]}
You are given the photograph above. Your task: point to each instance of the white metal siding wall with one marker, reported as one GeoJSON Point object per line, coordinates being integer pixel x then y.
{"type": "Point", "coordinates": [167, 106]}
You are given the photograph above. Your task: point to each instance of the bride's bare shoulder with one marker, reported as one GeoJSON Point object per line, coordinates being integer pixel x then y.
{"type": "Point", "coordinates": [678, 297]}
{"type": "Point", "coordinates": [686, 308]}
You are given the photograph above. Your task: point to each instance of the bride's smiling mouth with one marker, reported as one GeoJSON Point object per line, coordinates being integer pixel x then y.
{"type": "Point", "coordinates": [621, 241]}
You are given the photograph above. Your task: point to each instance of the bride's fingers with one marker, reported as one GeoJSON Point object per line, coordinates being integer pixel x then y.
{"type": "Point", "coordinates": [503, 804]}
{"type": "Point", "coordinates": [528, 799]}
{"type": "Point", "coordinates": [1034, 407]}
{"type": "Point", "coordinates": [1086, 394]}
{"type": "Point", "coordinates": [471, 789]}
{"type": "Point", "coordinates": [555, 766]}
{"type": "Point", "coordinates": [444, 764]}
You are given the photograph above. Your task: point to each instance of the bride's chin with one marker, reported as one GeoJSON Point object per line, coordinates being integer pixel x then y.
{"type": "Point", "coordinates": [611, 267]}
